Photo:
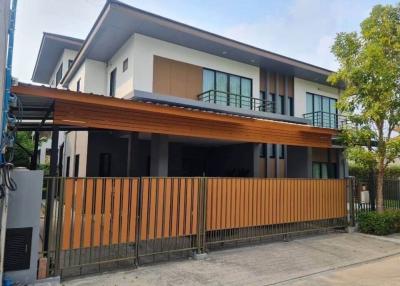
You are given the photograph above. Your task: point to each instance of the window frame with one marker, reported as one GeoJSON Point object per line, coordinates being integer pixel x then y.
{"type": "Point", "coordinates": [125, 65]}
{"type": "Point", "coordinates": [321, 108]}
{"type": "Point", "coordinates": [112, 82]}
{"type": "Point", "coordinates": [59, 74]}
{"type": "Point", "coordinates": [76, 166]}
{"type": "Point", "coordinates": [229, 75]}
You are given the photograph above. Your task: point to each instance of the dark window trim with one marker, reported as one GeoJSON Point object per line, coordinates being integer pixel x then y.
{"type": "Point", "coordinates": [113, 82]}
{"type": "Point", "coordinates": [76, 166]}
{"type": "Point", "coordinates": [282, 152]}
{"type": "Point", "coordinates": [67, 166]}
{"type": "Point", "coordinates": [78, 85]}
{"type": "Point", "coordinates": [59, 74]}
{"type": "Point", "coordinates": [125, 65]}
{"type": "Point", "coordinates": [273, 151]}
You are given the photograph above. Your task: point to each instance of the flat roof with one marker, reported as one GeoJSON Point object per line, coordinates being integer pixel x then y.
{"type": "Point", "coordinates": [50, 51]}
{"type": "Point", "coordinates": [84, 110]}
{"type": "Point", "coordinates": [118, 21]}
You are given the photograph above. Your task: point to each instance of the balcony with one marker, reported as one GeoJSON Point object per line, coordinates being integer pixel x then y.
{"type": "Point", "coordinates": [236, 100]}
{"type": "Point", "coordinates": [326, 119]}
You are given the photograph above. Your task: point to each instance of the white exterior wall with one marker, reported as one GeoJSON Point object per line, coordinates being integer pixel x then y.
{"type": "Point", "coordinates": [124, 80]}
{"type": "Point", "coordinates": [301, 87]}
{"type": "Point", "coordinates": [92, 76]}
{"type": "Point", "coordinates": [145, 48]}
{"type": "Point", "coordinates": [65, 57]}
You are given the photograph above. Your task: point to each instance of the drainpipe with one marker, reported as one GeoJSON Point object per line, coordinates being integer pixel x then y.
{"type": "Point", "coordinates": [4, 141]}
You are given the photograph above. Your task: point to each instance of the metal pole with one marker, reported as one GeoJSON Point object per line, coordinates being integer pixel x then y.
{"type": "Point", "coordinates": [51, 188]}
{"type": "Point", "coordinates": [35, 151]}
{"type": "Point", "coordinates": [7, 28]}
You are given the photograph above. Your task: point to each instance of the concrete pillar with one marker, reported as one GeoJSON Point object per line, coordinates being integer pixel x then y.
{"type": "Point", "coordinates": [133, 138]}
{"type": "Point", "coordinates": [309, 162]}
{"type": "Point", "coordinates": [256, 160]}
{"type": "Point", "coordinates": [277, 160]}
{"type": "Point", "coordinates": [159, 155]}
{"type": "Point", "coordinates": [267, 97]}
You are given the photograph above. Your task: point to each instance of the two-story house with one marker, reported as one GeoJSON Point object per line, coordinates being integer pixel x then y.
{"type": "Point", "coordinates": [138, 56]}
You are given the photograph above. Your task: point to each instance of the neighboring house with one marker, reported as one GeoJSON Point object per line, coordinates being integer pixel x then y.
{"type": "Point", "coordinates": [133, 54]}
{"type": "Point", "coordinates": [58, 52]}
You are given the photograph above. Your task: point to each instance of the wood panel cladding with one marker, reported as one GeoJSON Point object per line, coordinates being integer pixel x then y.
{"type": "Point", "coordinates": [238, 129]}
{"type": "Point", "coordinates": [272, 83]}
{"type": "Point", "coordinates": [176, 78]}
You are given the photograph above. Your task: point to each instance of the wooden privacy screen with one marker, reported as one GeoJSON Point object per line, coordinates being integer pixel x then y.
{"type": "Point", "coordinates": [237, 203]}
{"type": "Point", "coordinates": [104, 211]}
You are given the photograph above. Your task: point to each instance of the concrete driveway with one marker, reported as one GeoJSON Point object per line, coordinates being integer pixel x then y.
{"type": "Point", "coordinates": [320, 260]}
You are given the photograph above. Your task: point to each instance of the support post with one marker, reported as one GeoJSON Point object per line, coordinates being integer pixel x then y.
{"type": "Point", "coordinates": [256, 159]}
{"type": "Point", "coordinates": [51, 188]}
{"type": "Point", "coordinates": [309, 162]}
{"type": "Point", "coordinates": [35, 151]}
{"type": "Point", "coordinates": [159, 155]}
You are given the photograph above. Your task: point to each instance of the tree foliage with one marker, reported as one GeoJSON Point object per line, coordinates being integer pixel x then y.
{"type": "Point", "coordinates": [369, 67]}
{"type": "Point", "coordinates": [23, 149]}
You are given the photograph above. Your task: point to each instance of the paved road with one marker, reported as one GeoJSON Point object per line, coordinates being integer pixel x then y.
{"type": "Point", "coordinates": [319, 260]}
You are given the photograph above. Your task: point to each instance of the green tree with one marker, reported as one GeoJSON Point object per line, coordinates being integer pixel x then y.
{"type": "Point", "coordinates": [369, 67]}
{"type": "Point", "coordinates": [23, 149]}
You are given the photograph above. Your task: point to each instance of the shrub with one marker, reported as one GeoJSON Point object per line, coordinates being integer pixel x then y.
{"type": "Point", "coordinates": [361, 172]}
{"type": "Point", "coordinates": [379, 224]}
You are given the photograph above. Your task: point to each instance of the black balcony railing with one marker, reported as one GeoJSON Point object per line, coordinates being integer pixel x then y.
{"type": "Point", "coordinates": [326, 119]}
{"type": "Point", "coordinates": [236, 100]}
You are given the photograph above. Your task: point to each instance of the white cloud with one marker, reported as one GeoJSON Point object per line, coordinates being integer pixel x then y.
{"type": "Point", "coordinates": [304, 31]}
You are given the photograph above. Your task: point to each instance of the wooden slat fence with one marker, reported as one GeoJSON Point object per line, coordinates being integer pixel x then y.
{"type": "Point", "coordinates": [97, 217]}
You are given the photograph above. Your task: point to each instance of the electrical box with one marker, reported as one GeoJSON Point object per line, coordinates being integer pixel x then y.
{"type": "Point", "coordinates": [23, 227]}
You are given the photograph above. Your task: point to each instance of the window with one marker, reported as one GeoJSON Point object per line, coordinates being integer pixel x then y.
{"type": "Point", "coordinates": [322, 110]}
{"type": "Point", "coordinates": [282, 104]}
{"type": "Point", "coordinates": [273, 101]}
{"type": "Point", "coordinates": [76, 166]}
{"type": "Point", "coordinates": [227, 89]}
{"type": "Point", "coordinates": [323, 170]}
{"type": "Point", "coordinates": [125, 65]}
{"type": "Point", "coordinates": [282, 152]}
{"type": "Point", "coordinates": [272, 150]}
{"type": "Point", "coordinates": [67, 166]}
{"type": "Point", "coordinates": [105, 165]}
{"type": "Point", "coordinates": [291, 106]}
{"type": "Point", "coordinates": [70, 62]}
{"type": "Point", "coordinates": [78, 85]}
{"type": "Point", "coordinates": [59, 74]}
{"type": "Point", "coordinates": [263, 151]}
{"type": "Point", "coordinates": [113, 78]}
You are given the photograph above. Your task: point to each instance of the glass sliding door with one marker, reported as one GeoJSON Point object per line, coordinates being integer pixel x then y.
{"type": "Point", "coordinates": [234, 90]}
{"type": "Point", "coordinates": [221, 87]}
{"type": "Point", "coordinates": [245, 88]}
{"type": "Point", "coordinates": [333, 111]}
{"type": "Point", "coordinates": [208, 85]}
{"type": "Point", "coordinates": [325, 114]}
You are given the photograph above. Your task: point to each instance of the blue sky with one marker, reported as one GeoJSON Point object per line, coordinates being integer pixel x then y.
{"type": "Point", "coordinates": [301, 29]}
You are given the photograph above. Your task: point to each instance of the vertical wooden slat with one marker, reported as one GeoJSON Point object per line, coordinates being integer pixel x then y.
{"type": "Point", "coordinates": [132, 213]}
{"type": "Point", "coordinates": [107, 210]}
{"type": "Point", "coordinates": [124, 210]}
{"type": "Point", "coordinates": [152, 201]}
{"type": "Point", "coordinates": [195, 200]}
{"type": "Point", "coordinates": [97, 212]}
{"type": "Point", "coordinates": [116, 210]}
{"type": "Point", "coordinates": [69, 192]}
{"type": "Point", "coordinates": [145, 209]}
{"type": "Point", "coordinates": [88, 213]}
{"type": "Point", "coordinates": [77, 213]}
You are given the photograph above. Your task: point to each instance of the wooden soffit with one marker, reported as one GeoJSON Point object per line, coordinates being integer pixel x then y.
{"type": "Point", "coordinates": [96, 111]}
